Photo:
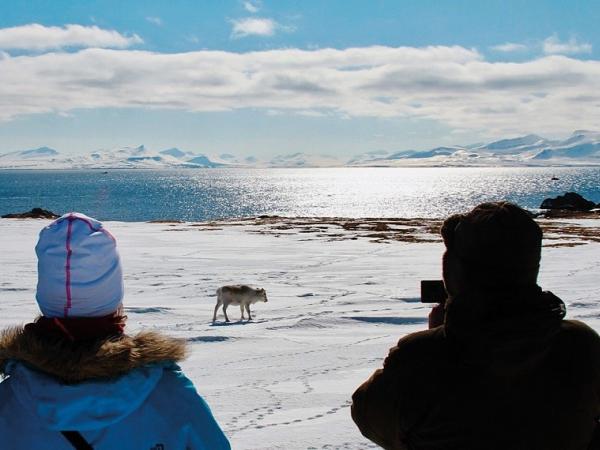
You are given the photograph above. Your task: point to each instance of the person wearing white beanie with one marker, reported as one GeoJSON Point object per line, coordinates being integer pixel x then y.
{"type": "Point", "coordinates": [79, 269]}
{"type": "Point", "coordinates": [74, 379]}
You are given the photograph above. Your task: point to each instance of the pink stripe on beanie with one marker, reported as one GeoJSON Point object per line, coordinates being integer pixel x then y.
{"type": "Point", "coordinates": [79, 269]}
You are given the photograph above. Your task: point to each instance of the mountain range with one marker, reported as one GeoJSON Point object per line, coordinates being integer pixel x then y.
{"type": "Point", "coordinates": [581, 148]}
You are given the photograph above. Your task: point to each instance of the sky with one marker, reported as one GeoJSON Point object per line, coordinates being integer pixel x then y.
{"type": "Point", "coordinates": [263, 78]}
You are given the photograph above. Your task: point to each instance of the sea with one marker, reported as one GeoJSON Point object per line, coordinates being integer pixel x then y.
{"type": "Point", "coordinates": [210, 194]}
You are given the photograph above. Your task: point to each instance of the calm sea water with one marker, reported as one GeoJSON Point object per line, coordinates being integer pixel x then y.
{"type": "Point", "coordinates": [200, 194]}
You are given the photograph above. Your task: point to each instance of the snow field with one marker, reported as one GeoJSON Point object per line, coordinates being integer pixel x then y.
{"type": "Point", "coordinates": [284, 380]}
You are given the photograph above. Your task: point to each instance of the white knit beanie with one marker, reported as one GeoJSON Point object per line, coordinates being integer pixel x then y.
{"type": "Point", "coordinates": [79, 269]}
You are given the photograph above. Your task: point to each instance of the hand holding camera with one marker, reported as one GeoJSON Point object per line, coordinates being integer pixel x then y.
{"type": "Point", "coordinates": [434, 291]}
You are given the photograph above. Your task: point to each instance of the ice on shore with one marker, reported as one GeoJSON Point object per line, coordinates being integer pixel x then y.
{"type": "Point", "coordinates": [284, 380]}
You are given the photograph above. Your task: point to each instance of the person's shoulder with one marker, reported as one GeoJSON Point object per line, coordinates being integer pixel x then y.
{"type": "Point", "coordinates": [173, 379]}
{"type": "Point", "coordinates": [419, 340]}
{"type": "Point", "coordinates": [422, 346]}
{"type": "Point", "coordinates": [579, 344]}
{"type": "Point", "coordinates": [177, 394]}
{"type": "Point", "coordinates": [578, 330]}
{"type": "Point", "coordinates": [176, 391]}
{"type": "Point", "coordinates": [578, 333]}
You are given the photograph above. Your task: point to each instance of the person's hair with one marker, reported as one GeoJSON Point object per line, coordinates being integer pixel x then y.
{"type": "Point", "coordinates": [497, 244]}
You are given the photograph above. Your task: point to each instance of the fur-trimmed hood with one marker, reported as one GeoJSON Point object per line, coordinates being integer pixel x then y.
{"type": "Point", "coordinates": [76, 362]}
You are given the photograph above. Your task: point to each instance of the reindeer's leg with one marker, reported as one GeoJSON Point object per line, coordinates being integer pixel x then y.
{"type": "Point", "coordinates": [216, 309]}
{"type": "Point", "coordinates": [248, 309]}
{"type": "Point", "coordinates": [242, 310]}
{"type": "Point", "coordinates": [225, 305]}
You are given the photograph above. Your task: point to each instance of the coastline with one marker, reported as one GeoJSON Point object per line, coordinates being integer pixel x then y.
{"type": "Point", "coordinates": [560, 229]}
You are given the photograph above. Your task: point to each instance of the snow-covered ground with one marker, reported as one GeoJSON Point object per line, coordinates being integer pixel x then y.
{"type": "Point", "coordinates": [284, 380]}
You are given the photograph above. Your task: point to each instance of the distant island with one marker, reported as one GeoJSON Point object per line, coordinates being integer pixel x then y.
{"type": "Point", "coordinates": [582, 148]}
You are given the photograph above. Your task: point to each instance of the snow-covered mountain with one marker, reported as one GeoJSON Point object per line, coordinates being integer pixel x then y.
{"type": "Point", "coordinates": [126, 157]}
{"type": "Point", "coordinates": [581, 148]}
{"type": "Point", "coordinates": [515, 145]}
{"type": "Point", "coordinates": [368, 156]}
{"type": "Point", "coordinates": [305, 160]}
{"type": "Point", "coordinates": [582, 145]}
{"type": "Point", "coordinates": [176, 153]}
{"type": "Point", "coordinates": [233, 160]}
{"type": "Point", "coordinates": [24, 159]}
{"type": "Point", "coordinates": [42, 152]}
{"type": "Point", "coordinates": [201, 160]}
{"type": "Point", "coordinates": [119, 158]}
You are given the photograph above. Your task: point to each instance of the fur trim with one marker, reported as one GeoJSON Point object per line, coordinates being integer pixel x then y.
{"type": "Point", "coordinates": [76, 362]}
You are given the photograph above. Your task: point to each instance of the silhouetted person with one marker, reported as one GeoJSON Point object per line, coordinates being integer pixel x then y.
{"type": "Point", "coordinates": [503, 370]}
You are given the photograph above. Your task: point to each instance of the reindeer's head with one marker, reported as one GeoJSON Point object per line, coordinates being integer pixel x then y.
{"type": "Point", "coordinates": [263, 294]}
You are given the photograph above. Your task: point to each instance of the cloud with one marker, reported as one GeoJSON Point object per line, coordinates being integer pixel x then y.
{"type": "Point", "coordinates": [155, 20]}
{"type": "Point", "coordinates": [252, 7]}
{"type": "Point", "coordinates": [509, 47]}
{"type": "Point", "coordinates": [39, 37]}
{"type": "Point", "coordinates": [553, 46]}
{"type": "Point", "coordinates": [253, 27]}
{"type": "Point", "coordinates": [455, 86]}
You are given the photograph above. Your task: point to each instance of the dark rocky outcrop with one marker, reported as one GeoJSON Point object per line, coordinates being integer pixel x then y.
{"type": "Point", "coordinates": [35, 213]}
{"type": "Point", "coordinates": [571, 201]}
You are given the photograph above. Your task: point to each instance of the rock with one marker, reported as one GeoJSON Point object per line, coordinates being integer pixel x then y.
{"type": "Point", "coordinates": [35, 213]}
{"type": "Point", "coordinates": [570, 201]}
{"type": "Point", "coordinates": [381, 227]}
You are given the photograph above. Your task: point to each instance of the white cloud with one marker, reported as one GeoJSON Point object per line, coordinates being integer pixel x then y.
{"type": "Point", "coordinates": [252, 7]}
{"type": "Point", "coordinates": [39, 37]}
{"type": "Point", "coordinates": [310, 113]}
{"type": "Point", "coordinates": [553, 46]}
{"type": "Point", "coordinates": [509, 47]}
{"type": "Point", "coordinates": [451, 85]}
{"type": "Point", "coordinates": [253, 27]}
{"type": "Point", "coordinates": [155, 20]}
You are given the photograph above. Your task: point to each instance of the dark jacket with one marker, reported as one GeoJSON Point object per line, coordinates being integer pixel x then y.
{"type": "Point", "coordinates": [514, 375]}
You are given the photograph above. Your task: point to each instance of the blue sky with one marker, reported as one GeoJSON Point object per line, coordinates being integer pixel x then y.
{"type": "Point", "coordinates": [256, 77]}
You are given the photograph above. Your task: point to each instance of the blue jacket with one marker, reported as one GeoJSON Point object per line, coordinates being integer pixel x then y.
{"type": "Point", "coordinates": [149, 408]}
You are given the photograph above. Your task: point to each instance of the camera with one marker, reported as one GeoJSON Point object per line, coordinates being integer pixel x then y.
{"type": "Point", "coordinates": [433, 291]}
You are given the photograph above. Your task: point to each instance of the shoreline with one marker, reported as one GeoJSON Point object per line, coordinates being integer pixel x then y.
{"type": "Point", "coordinates": [561, 229]}
{"type": "Point", "coordinates": [569, 231]}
